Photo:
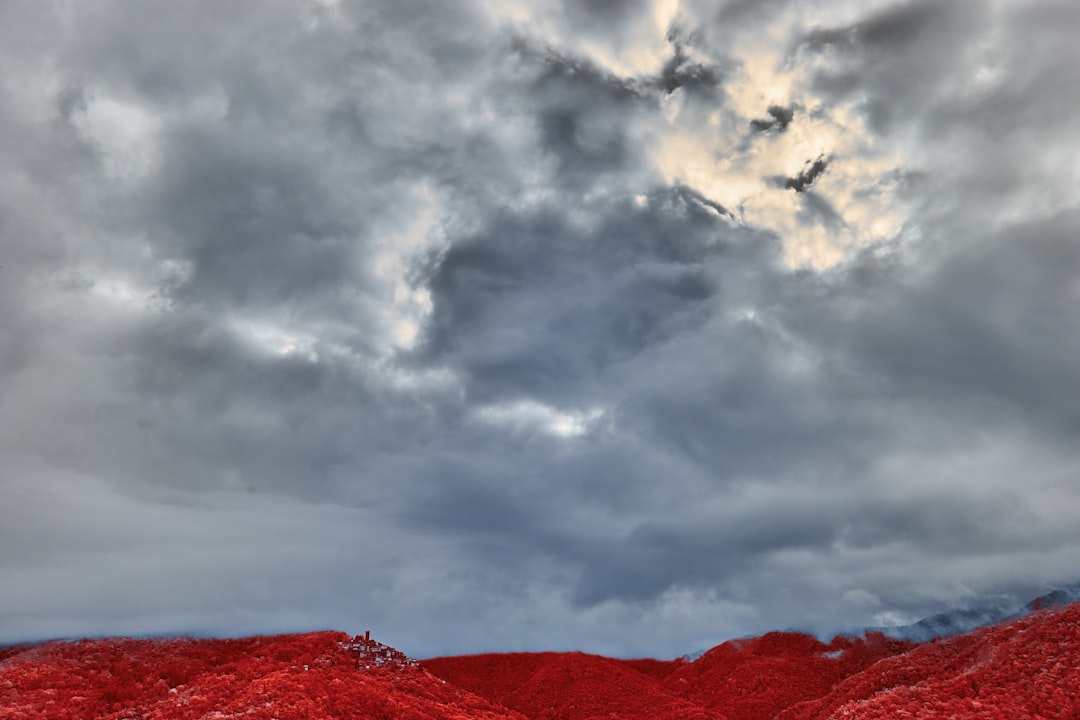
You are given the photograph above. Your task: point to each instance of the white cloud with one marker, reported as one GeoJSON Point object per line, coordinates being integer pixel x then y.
{"type": "Point", "coordinates": [125, 133]}
{"type": "Point", "coordinates": [531, 416]}
{"type": "Point", "coordinates": [718, 155]}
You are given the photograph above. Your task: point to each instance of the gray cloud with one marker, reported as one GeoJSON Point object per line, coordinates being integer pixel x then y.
{"type": "Point", "coordinates": [781, 118]}
{"type": "Point", "coordinates": [395, 315]}
{"type": "Point", "coordinates": [898, 54]}
{"type": "Point", "coordinates": [801, 182]}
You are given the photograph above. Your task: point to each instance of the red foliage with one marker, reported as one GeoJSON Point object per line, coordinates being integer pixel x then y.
{"type": "Point", "coordinates": [493, 676]}
{"type": "Point", "coordinates": [1027, 668]}
{"type": "Point", "coordinates": [570, 686]}
{"type": "Point", "coordinates": [755, 679]}
{"type": "Point", "coordinates": [655, 668]}
{"type": "Point", "coordinates": [317, 675]}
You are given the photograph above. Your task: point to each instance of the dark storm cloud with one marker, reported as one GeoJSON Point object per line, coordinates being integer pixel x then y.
{"type": "Point", "coordinates": [684, 553]}
{"type": "Point", "coordinates": [660, 267]}
{"type": "Point", "coordinates": [968, 327]}
{"type": "Point", "coordinates": [781, 118]}
{"type": "Point", "coordinates": [681, 71]}
{"type": "Point", "coordinates": [391, 303]}
{"type": "Point", "coordinates": [893, 28]}
{"type": "Point", "coordinates": [583, 141]}
{"type": "Point", "coordinates": [254, 226]}
{"type": "Point", "coordinates": [604, 11]}
{"type": "Point", "coordinates": [801, 182]}
{"type": "Point", "coordinates": [898, 55]}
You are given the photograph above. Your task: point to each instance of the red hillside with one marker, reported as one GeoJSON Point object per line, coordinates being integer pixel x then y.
{"type": "Point", "coordinates": [318, 675]}
{"type": "Point", "coordinates": [571, 686]}
{"type": "Point", "coordinates": [493, 676]}
{"type": "Point", "coordinates": [654, 668]}
{"type": "Point", "coordinates": [756, 678]}
{"type": "Point", "coordinates": [1027, 668]}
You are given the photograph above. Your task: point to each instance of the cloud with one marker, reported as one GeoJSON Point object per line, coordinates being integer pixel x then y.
{"type": "Point", "coordinates": [499, 325]}
{"type": "Point", "coordinates": [801, 182]}
{"type": "Point", "coordinates": [781, 118]}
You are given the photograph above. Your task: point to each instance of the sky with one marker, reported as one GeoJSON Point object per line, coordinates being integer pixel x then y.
{"type": "Point", "coordinates": [622, 326]}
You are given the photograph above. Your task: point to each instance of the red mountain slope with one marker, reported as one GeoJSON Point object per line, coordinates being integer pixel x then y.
{"type": "Point", "coordinates": [743, 679]}
{"type": "Point", "coordinates": [493, 676]}
{"type": "Point", "coordinates": [582, 687]}
{"type": "Point", "coordinates": [293, 677]}
{"type": "Point", "coordinates": [569, 686]}
{"type": "Point", "coordinates": [655, 668]}
{"type": "Point", "coordinates": [1026, 668]}
{"type": "Point", "coordinates": [756, 678]}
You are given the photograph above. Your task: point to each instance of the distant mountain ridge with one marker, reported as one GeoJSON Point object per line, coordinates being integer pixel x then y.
{"type": "Point", "coordinates": [964, 620]}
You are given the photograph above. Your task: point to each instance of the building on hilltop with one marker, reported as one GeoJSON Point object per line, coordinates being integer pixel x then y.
{"type": "Point", "coordinates": [372, 654]}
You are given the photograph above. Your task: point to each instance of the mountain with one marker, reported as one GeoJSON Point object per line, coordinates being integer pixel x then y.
{"type": "Point", "coordinates": [947, 624]}
{"type": "Point", "coordinates": [569, 686]}
{"type": "Point", "coordinates": [1024, 667]}
{"type": "Point", "coordinates": [746, 679]}
{"type": "Point", "coordinates": [955, 622]}
{"type": "Point", "coordinates": [1055, 598]}
{"type": "Point", "coordinates": [755, 678]}
{"type": "Point", "coordinates": [288, 677]}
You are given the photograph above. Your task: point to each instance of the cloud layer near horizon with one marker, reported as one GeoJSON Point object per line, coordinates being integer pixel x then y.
{"type": "Point", "coordinates": [627, 327]}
